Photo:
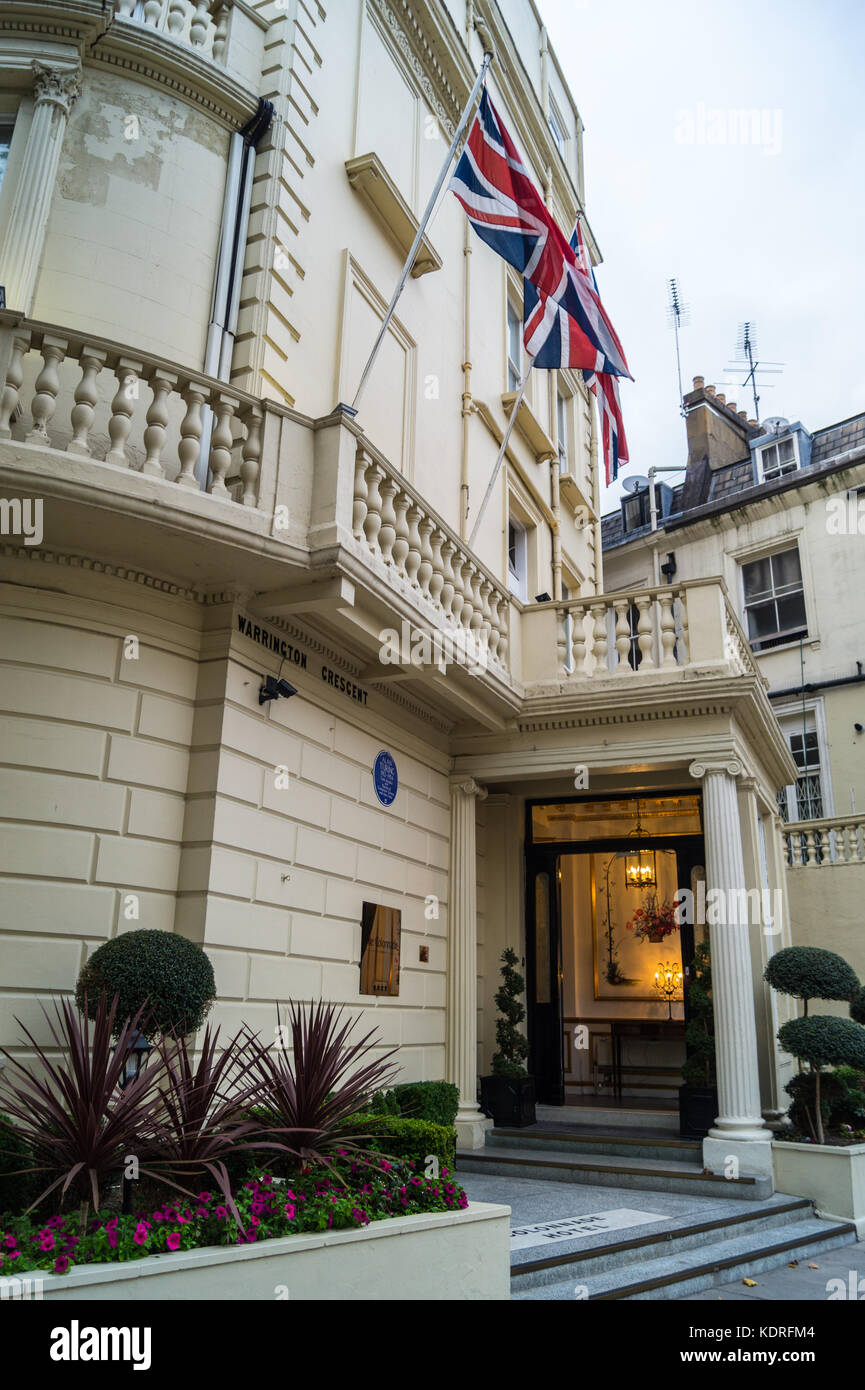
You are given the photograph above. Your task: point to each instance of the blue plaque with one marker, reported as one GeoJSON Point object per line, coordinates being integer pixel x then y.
{"type": "Point", "coordinates": [385, 778]}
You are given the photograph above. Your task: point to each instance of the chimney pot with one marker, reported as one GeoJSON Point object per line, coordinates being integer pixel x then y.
{"type": "Point", "coordinates": [731, 405]}
{"type": "Point", "coordinates": [743, 415]}
{"type": "Point", "coordinates": [698, 383]}
{"type": "Point", "coordinates": [755, 423]}
{"type": "Point", "coordinates": [721, 398]}
{"type": "Point", "coordinates": [710, 390]}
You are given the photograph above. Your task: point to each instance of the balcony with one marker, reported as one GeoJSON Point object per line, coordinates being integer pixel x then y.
{"type": "Point", "coordinates": [813, 844]}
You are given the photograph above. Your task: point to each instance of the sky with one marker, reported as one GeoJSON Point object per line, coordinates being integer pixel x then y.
{"type": "Point", "coordinates": [768, 228]}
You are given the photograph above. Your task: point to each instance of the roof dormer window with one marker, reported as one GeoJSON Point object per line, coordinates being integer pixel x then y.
{"type": "Point", "coordinates": [778, 459]}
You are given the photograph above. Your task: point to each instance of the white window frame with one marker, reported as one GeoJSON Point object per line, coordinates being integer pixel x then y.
{"type": "Point", "coordinates": [778, 470]}
{"type": "Point", "coordinates": [789, 717]}
{"type": "Point", "coordinates": [754, 558]}
{"type": "Point", "coordinates": [513, 314]}
{"type": "Point", "coordinates": [563, 402]}
{"type": "Point", "coordinates": [518, 570]}
{"type": "Point", "coordinates": [557, 129]}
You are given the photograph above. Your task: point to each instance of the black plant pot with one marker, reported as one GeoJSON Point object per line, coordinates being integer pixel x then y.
{"type": "Point", "coordinates": [698, 1110]}
{"type": "Point", "coordinates": [510, 1100]}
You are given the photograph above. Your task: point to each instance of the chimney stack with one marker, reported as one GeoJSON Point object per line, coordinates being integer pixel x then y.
{"type": "Point", "coordinates": [718, 433]}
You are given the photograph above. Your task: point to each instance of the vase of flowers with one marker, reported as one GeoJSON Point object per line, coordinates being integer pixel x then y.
{"type": "Point", "coordinates": [654, 921]}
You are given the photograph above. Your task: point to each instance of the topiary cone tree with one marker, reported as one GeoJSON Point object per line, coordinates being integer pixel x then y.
{"type": "Point", "coordinates": [809, 972]}
{"type": "Point", "coordinates": [824, 1041]}
{"type": "Point", "coordinates": [167, 976]}
{"type": "Point", "coordinates": [513, 1047]}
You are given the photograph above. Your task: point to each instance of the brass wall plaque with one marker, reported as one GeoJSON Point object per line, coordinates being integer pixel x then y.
{"type": "Point", "coordinates": [379, 949]}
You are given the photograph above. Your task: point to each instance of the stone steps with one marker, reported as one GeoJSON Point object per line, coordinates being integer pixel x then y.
{"type": "Point", "coordinates": [691, 1261]}
{"type": "Point", "coordinates": [621, 1143]}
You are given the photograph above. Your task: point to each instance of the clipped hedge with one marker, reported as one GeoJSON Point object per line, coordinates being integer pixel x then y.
{"type": "Point", "coordinates": [166, 973]}
{"type": "Point", "coordinates": [17, 1189]}
{"type": "Point", "coordinates": [810, 972]}
{"type": "Point", "coordinates": [399, 1136]}
{"type": "Point", "coordinates": [434, 1101]}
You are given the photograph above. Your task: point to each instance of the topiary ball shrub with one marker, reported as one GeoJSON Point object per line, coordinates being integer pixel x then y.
{"type": "Point", "coordinates": [809, 972]}
{"type": "Point", "coordinates": [823, 1041]}
{"type": "Point", "coordinates": [857, 1005]}
{"type": "Point", "coordinates": [170, 976]}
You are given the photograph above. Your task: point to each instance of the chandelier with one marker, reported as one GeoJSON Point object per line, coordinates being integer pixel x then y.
{"type": "Point", "coordinates": [640, 866]}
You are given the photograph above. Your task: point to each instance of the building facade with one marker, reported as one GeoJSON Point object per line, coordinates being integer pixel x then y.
{"type": "Point", "coordinates": [779, 512]}
{"type": "Point", "coordinates": [203, 213]}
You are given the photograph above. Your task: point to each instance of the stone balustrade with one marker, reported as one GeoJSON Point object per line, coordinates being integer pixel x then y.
{"type": "Point", "coordinates": [813, 844]}
{"type": "Point", "coordinates": [203, 24]}
{"type": "Point", "coordinates": [419, 552]}
{"type": "Point", "coordinates": [100, 400]}
{"type": "Point", "coordinates": [623, 634]}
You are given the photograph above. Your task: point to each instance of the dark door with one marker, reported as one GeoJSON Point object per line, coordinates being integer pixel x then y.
{"type": "Point", "coordinates": [544, 981]}
{"type": "Point", "coordinates": [687, 859]}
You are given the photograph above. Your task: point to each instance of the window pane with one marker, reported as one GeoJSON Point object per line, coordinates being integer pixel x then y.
{"type": "Point", "coordinates": [762, 621]}
{"type": "Point", "coordinates": [5, 142]}
{"type": "Point", "coordinates": [770, 458]}
{"type": "Point", "coordinates": [542, 939]}
{"type": "Point", "coordinates": [757, 578]}
{"type": "Point", "coordinates": [514, 334]}
{"type": "Point", "coordinates": [791, 613]}
{"type": "Point", "coordinates": [785, 451]}
{"type": "Point", "coordinates": [786, 568]}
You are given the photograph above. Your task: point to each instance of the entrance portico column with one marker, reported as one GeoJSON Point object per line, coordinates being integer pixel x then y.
{"type": "Point", "coordinates": [462, 1016]}
{"type": "Point", "coordinates": [739, 1131]}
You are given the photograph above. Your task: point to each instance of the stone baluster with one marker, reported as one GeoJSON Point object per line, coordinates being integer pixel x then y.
{"type": "Point", "coordinates": [578, 613]}
{"type": "Point", "coordinates": [161, 383]}
{"type": "Point", "coordinates": [683, 626]}
{"type": "Point", "coordinates": [504, 613]}
{"type": "Point", "coordinates": [448, 588]}
{"type": "Point", "coordinates": [645, 633]}
{"type": "Point", "coordinates": [668, 628]}
{"type": "Point", "coordinates": [359, 505]}
{"type": "Point", "coordinates": [222, 19]}
{"type": "Point", "coordinates": [152, 13]}
{"type": "Point", "coordinates": [387, 533]}
{"type": "Point", "coordinates": [840, 854]}
{"type": "Point", "coordinates": [190, 435]}
{"type": "Point", "coordinates": [199, 23]}
{"type": "Point", "coordinates": [811, 846]}
{"type": "Point", "coordinates": [486, 626]}
{"type": "Point", "coordinates": [14, 377]}
{"type": "Point", "coordinates": [413, 558]}
{"type": "Point", "coordinates": [86, 395]}
{"type": "Point", "coordinates": [468, 608]}
{"type": "Point", "coordinates": [250, 454]}
{"type": "Point", "coordinates": [459, 597]}
{"type": "Point", "coordinates": [125, 8]}
{"type": "Point", "coordinates": [562, 641]}
{"type": "Point", "coordinates": [599, 645]}
{"type": "Point", "coordinates": [426, 568]}
{"type": "Point", "coordinates": [44, 402]}
{"type": "Point", "coordinates": [437, 578]}
{"type": "Point", "coordinates": [120, 424]}
{"type": "Point", "coordinates": [221, 442]}
{"type": "Point", "coordinates": [372, 520]}
{"type": "Point", "coordinates": [477, 621]}
{"type": "Point", "coordinates": [494, 636]}
{"type": "Point", "coordinates": [623, 636]}
{"type": "Point", "coordinates": [176, 17]}
{"type": "Point", "coordinates": [400, 546]}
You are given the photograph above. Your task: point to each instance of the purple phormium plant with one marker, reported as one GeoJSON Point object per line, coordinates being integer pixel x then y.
{"type": "Point", "coordinates": [79, 1122]}
{"type": "Point", "coordinates": [204, 1113]}
{"type": "Point", "coordinates": [327, 1079]}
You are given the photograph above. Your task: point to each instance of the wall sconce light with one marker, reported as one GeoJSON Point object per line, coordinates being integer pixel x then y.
{"type": "Point", "coordinates": [273, 688]}
{"type": "Point", "coordinates": [668, 981]}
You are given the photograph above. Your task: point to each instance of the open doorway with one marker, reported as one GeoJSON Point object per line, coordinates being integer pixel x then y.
{"type": "Point", "coordinates": [607, 953]}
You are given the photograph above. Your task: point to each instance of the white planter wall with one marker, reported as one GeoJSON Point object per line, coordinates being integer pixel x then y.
{"type": "Point", "coordinates": [834, 1178]}
{"type": "Point", "coordinates": [462, 1255]}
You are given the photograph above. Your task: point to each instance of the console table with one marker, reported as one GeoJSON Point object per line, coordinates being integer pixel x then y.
{"type": "Point", "coordinates": [647, 1030]}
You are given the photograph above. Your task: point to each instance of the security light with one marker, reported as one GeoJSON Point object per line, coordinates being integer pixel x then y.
{"type": "Point", "coordinates": [542, 598]}
{"type": "Point", "coordinates": [273, 688]}
{"type": "Point", "coordinates": [286, 689]}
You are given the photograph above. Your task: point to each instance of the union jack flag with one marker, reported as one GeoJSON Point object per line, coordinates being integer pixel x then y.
{"type": "Point", "coordinates": [508, 213]}
{"type": "Point", "coordinates": [554, 353]}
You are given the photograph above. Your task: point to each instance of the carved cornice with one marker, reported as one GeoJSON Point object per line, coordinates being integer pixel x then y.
{"type": "Point", "coordinates": [83, 562]}
{"type": "Point", "coordinates": [653, 714]}
{"type": "Point", "coordinates": [404, 29]}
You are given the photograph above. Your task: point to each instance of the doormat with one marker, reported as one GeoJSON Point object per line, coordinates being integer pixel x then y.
{"type": "Point", "coordinates": [546, 1232]}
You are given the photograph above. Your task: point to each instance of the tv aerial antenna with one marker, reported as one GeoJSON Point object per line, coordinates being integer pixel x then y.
{"type": "Point", "coordinates": [678, 315]}
{"type": "Point", "coordinates": [747, 357]}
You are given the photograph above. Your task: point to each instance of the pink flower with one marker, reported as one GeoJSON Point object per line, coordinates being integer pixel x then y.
{"type": "Point", "coordinates": [172, 1240]}
{"type": "Point", "coordinates": [61, 1264]}
{"type": "Point", "coordinates": [289, 1211]}
{"type": "Point", "coordinates": [204, 1196]}
{"type": "Point", "coordinates": [47, 1241]}
{"type": "Point", "coordinates": [221, 1213]}
{"type": "Point", "coordinates": [140, 1236]}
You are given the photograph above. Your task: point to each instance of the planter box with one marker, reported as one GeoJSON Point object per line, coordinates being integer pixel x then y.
{"type": "Point", "coordinates": [509, 1099]}
{"type": "Point", "coordinates": [833, 1177]}
{"type": "Point", "coordinates": [432, 1256]}
{"type": "Point", "coordinates": [698, 1110]}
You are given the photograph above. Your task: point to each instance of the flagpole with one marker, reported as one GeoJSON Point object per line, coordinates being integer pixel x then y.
{"type": "Point", "coordinates": [504, 444]}
{"type": "Point", "coordinates": [410, 258]}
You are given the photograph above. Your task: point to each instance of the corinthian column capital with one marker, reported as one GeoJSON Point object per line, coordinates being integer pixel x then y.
{"type": "Point", "coordinates": [732, 766]}
{"type": "Point", "coordinates": [469, 787]}
{"type": "Point", "coordinates": [56, 86]}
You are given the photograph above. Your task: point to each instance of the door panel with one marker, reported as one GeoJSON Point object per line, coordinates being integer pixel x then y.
{"type": "Point", "coordinates": [544, 982]}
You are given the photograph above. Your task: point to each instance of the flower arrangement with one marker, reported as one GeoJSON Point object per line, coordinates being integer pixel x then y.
{"type": "Point", "coordinates": [654, 921]}
{"type": "Point", "coordinates": [354, 1192]}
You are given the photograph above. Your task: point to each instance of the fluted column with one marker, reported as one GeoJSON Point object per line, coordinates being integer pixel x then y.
{"type": "Point", "coordinates": [55, 89]}
{"type": "Point", "coordinates": [461, 1047]}
{"type": "Point", "coordinates": [739, 1131]}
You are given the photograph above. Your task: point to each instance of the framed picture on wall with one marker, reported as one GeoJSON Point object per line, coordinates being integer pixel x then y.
{"type": "Point", "coordinates": [379, 949]}
{"type": "Point", "coordinates": [633, 927]}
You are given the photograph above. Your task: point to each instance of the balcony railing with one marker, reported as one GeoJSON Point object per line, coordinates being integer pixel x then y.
{"type": "Point", "coordinates": [130, 409]}
{"type": "Point", "coordinates": [399, 533]}
{"type": "Point", "coordinates": [816, 844]}
{"type": "Point", "coordinates": [203, 24]}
